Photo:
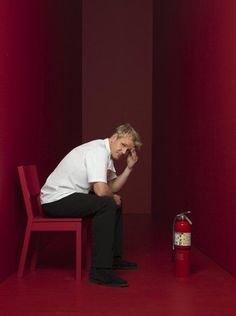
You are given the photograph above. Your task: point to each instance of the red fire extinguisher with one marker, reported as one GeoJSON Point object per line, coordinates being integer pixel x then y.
{"type": "Point", "coordinates": [182, 244]}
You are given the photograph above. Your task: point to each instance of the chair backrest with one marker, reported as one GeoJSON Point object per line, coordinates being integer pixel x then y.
{"type": "Point", "coordinates": [30, 187]}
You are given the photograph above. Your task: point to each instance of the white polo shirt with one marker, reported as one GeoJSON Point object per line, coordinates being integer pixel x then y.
{"type": "Point", "coordinates": [88, 163]}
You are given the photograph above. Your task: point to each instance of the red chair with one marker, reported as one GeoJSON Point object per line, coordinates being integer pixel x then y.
{"type": "Point", "coordinates": [37, 222]}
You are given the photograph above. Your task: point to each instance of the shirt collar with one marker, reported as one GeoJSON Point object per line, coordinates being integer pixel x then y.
{"type": "Point", "coordinates": [107, 144]}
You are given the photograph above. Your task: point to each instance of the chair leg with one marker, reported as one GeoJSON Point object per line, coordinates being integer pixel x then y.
{"type": "Point", "coordinates": [35, 252]}
{"type": "Point", "coordinates": [89, 245]}
{"type": "Point", "coordinates": [86, 245]}
{"type": "Point", "coordinates": [24, 252]}
{"type": "Point", "coordinates": [78, 253]}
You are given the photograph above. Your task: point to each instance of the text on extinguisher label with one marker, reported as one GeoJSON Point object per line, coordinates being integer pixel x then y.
{"type": "Point", "coordinates": [182, 239]}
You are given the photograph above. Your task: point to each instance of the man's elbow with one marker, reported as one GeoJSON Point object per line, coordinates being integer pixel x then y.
{"type": "Point", "coordinates": [101, 193]}
{"type": "Point", "coordinates": [102, 190]}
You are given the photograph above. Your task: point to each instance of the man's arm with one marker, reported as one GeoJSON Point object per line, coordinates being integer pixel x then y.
{"type": "Point", "coordinates": [102, 189]}
{"type": "Point", "coordinates": [116, 184]}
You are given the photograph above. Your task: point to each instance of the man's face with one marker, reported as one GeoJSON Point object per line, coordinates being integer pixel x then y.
{"type": "Point", "coordinates": [121, 146]}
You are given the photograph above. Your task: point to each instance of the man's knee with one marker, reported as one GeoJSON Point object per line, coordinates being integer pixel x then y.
{"type": "Point", "coordinates": [106, 207]}
{"type": "Point", "coordinates": [109, 202]}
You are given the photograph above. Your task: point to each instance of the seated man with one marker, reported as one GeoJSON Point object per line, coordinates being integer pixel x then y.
{"type": "Point", "coordinates": [67, 193]}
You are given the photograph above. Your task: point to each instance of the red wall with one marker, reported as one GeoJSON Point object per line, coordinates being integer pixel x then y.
{"type": "Point", "coordinates": [194, 120]}
{"type": "Point", "coordinates": [117, 82]}
{"type": "Point", "coordinates": [40, 101]}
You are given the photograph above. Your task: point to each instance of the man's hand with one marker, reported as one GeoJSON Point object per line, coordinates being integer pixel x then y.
{"type": "Point", "coordinates": [132, 158]}
{"type": "Point", "coordinates": [117, 199]}
{"type": "Point", "coordinates": [102, 189]}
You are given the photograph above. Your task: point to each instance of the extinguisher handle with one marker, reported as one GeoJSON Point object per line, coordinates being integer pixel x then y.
{"type": "Point", "coordinates": [184, 216]}
{"type": "Point", "coordinates": [188, 219]}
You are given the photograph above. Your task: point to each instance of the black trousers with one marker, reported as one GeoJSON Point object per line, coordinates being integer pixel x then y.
{"type": "Point", "coordinates": [107, 223]}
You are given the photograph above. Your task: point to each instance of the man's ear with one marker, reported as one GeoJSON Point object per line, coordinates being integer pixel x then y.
{"type": "Point", "coordinates": [114, 137]}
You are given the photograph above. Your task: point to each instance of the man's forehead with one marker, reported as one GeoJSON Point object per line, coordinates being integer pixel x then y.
{"type": "Point", "coordinates": [128, 140]}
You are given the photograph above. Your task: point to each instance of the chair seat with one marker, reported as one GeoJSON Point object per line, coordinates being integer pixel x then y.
{"type": "Point", "coordinates": [56, 219]}
{"type": "Point", "coordinates": [56, 225]}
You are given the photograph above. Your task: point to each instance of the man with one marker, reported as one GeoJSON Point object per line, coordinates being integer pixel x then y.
{"type": "Point", "coordinates": [85, 183]}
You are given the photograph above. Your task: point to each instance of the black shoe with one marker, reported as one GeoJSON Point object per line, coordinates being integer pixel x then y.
{"type": "Point", "coordinates": [124, 265]}
{"type": "Point", "coordinates": [106, 277]}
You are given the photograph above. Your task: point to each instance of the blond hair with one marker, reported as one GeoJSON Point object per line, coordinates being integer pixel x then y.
{"type": "Point", "coordinates": [127, 130]}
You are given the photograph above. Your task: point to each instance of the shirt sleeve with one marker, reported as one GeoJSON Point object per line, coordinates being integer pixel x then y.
{"type": "Point", "coordinates": [96, 164]}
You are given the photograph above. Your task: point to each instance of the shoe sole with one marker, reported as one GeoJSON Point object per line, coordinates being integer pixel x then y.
{"type": "Point", "coordinates": [107, 284]}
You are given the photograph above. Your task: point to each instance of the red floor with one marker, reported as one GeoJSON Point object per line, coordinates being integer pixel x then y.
{"type": "Point", "coordinates": [153, 290]}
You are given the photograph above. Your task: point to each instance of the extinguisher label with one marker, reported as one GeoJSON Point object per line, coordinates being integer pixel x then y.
{"type": "Point", "coordinates": [182, 239]}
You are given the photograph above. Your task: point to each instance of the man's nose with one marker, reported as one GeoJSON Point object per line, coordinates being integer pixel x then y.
{"type": "Point", "coordinates": [124, 150]}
